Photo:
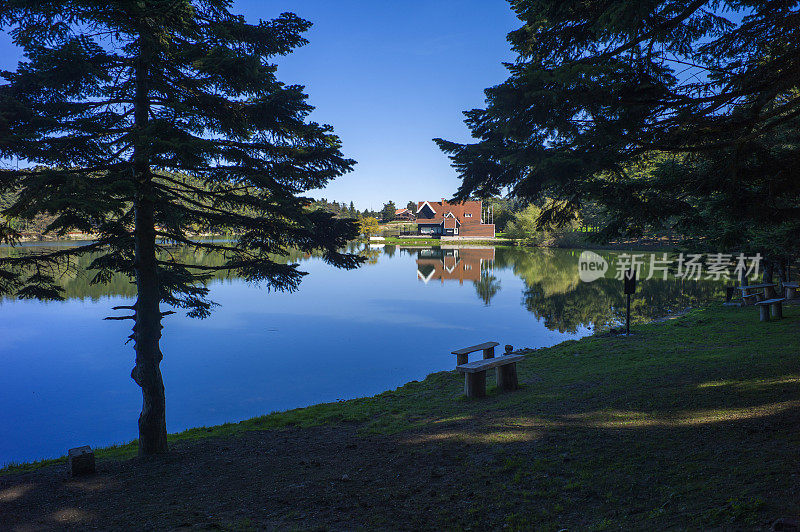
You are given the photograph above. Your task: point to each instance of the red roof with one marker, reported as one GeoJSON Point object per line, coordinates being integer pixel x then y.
{"type": "Point", "coordinates": [468, 212]}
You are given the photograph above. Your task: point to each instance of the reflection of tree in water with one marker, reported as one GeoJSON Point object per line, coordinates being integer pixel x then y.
{"type": "Point", "coordinates": [553, 291]}
{"type": "Point", "coordinates": [487, 287]}
{"type": "Point", "coordinates": [77, 280]}
{"type": "Point", "coordinates": [371, 254]}
{"type": "Point", "coordinates": [602, 302]}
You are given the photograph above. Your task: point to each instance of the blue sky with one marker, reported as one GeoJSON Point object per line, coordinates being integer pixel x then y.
{"type": "Point", "coordinates": [389, 77]}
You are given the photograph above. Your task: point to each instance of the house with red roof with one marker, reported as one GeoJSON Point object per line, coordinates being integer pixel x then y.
{"type": "Point", "coordinates": [403, 214]}
{"type": "Point", "coordinates": [466, 220]}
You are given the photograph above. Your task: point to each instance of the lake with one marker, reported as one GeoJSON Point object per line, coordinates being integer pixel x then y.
{"type": "Point", "coordinates": [66, 372]}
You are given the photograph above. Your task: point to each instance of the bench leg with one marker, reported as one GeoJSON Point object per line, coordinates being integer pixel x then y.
{"type": "Point", "coordinates": [475, 384]}
{"type": "Point", "coordinates": [507, 377]}
{"type": "Point", "coordinates": [791, 293]}
{"type": "Point", "coordinates": [776, 311]}
{"type": "Point", "coordinates": [488, 353]}
{"type": "Point", "coordinates": [462, 359]}
{"type": "Point", "coordinates": [763, 313]}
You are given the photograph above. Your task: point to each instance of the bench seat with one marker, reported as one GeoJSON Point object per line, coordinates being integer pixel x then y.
{"type": "Point", "coordinates": [462, 355]}
{"type": "Point", "coordinates": [770, 306]}
{"type": "Point", "coordinates": [475, 374]}
{"type": "Point", "coordinates": [755, 286]}
{"type": "Point", "coordinates": [483, 365]}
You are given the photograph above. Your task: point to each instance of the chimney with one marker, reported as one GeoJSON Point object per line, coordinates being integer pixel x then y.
{"type": "Point", "coordinates": [444, 201]}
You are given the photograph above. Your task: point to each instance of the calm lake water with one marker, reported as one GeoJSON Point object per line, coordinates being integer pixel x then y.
{"type": "Point", "coordinates": [65, 378]}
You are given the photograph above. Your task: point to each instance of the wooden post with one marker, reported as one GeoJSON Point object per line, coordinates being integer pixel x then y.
{"type": "Point", "coordinates": [488, 353]}
{"type": "Point", "coordinates": [763, 313]}
{"type": "Point", "coordinates": [462, 359]}
{"type": "Point", "coordinates": [507, 377]}
{"type": "Point", "coordinates": [80, 461]}
{"type": "Point", "coordinates": [475, 384]}
{"type": "Point", "coordinates": [777, 310]}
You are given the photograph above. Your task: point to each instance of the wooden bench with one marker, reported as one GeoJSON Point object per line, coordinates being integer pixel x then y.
{"type": "Point", "coordinates": [475, 374]}
{"type": "Point", "coordinates": [773, 305]}
{"type": "Point", "coordinates": [750, 297]}
{"type": "Point", "coordinates": [462, 355]}
{"type": "Point", "coordinates": [790, 290]}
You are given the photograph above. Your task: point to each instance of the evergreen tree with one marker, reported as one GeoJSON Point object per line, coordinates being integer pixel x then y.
{"type": "Point", "coordinates": [150, 119]}
{"type": "Point", "coordinates": [599, 86]}
{"type": "Point", "coordinates": [412, 207]}
{"type": "Point", "coordinates": [388, 211]}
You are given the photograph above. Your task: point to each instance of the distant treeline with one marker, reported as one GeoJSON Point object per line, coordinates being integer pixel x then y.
{"type": "Point", "coordinates": [341, 210]}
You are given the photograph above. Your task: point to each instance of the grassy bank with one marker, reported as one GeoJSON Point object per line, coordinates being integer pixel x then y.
{"type": "Point", "coordinates": [692, 422]}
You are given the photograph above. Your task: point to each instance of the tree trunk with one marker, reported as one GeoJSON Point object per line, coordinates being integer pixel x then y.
{"type": "Point", "coordinates": [769, 272]}
{"type": "Point", "coordinates": [784, 271]}
{"type": "Point", "coordinates": [147, 328]}
{"type": "Point", "coordinates": [147, 333]}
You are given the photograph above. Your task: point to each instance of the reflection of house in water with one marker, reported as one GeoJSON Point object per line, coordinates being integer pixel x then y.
{"type": "Point", "coordinates": [454, 264]}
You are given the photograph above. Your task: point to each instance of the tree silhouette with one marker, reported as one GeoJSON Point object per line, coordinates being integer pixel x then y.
{"type": "Point", "coordinates": [152, 123]}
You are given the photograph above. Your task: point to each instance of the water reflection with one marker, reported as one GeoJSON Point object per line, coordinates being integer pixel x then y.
{"type": "Point", "coordinates": [76, 281]}
{"type": "Point", "coordinates": [260, 352]}
{"type": "Point", "coordinates": [453, 264]}
{"type": "Point", "coordinates": [472, 264]}
{"type": "Point", "coordinates": [553, 289]}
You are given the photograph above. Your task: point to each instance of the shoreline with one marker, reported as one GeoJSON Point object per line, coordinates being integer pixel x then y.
{"type": "Point", "coordinates": [128, 450]}
{"type": "Point", "coordinates": [689, 423]}
{"type": "Point", "coordinates": [414, 242]}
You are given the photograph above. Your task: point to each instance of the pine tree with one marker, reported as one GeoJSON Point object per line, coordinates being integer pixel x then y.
{"type": "Point", "coordinates": [152, 121]}
{"type": "Point", "coordinates": [600, 86]}
{"type": "Point", "coordinates": [388, 211]}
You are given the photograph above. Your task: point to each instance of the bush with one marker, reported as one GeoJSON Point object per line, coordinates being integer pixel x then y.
{"type": "Point", "coordinates": [524, 228]}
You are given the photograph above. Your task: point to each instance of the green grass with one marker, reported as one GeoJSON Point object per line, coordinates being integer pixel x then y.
{"type": "Point", "coordinates": [688, 422]}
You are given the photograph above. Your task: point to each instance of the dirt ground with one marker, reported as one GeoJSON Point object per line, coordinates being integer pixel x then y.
{"type": "Point", "coordinates": [317, 478]}
{"type": "Point", "coordinates": [689, 424]}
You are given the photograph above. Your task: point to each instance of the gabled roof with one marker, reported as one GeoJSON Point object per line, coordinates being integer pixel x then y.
{"type": "Point", "coordinates": [428, 204]}
{"type": "Point", "coordinates": [465, 212]}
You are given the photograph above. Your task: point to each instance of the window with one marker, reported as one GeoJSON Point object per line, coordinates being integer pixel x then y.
{"type": "Point", "coordinates": [467, 215]}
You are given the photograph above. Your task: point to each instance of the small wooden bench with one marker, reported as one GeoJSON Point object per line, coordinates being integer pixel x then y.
{"type": "Point", "coordinates": [773, 305]}
{"type": "Point", "coordinates": [475, 374]}
{"type": "Point", "coordinates": [749, 297]}
{"type": "Point", "coordinates": [752, 299]}
{"type": "Point", "coordinates": [462, 355]}
{"type": "Point", "coordinates": [790, 290]}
